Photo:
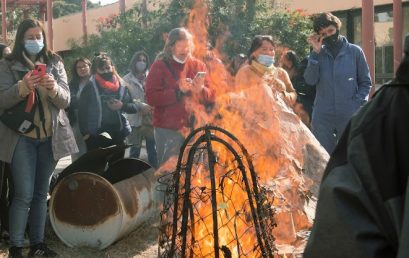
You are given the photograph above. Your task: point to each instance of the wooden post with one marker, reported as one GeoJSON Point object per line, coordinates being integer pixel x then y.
{"type": "Point", "coordinates": [121, 6]}
{"type": "Point", "coordinates": [4, 21]}
{"type": "Point", "coordinates": [50, 24]}
{"type": "Point", "coordinates": [144, 8]}
{"type": "Point", "coordinates": [368, 38]}
{"type": "Point", "coordinates": [42, 12]}
{"type": "Point", "coordinates": [397, 33]}
{"type": "Point", "coordinates": [84, 21]}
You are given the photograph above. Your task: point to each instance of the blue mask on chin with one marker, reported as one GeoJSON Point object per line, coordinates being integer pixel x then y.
{"type": "Point", "coordinates": [266, 60]}
{"type": "Point", "coordinates": [33, 47]}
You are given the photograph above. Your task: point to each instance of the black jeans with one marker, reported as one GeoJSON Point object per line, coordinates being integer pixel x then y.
{"type": "Point", "coordinates": [5, 195]}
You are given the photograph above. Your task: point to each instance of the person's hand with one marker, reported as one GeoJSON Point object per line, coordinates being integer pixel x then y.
{"type": "Point", "coordinates": [146, 109]}
{"type": "Point", "coordinates": [185, 85]}
{"type": "Point", "coordinates": [114, 104]}
{"type": "Point", "coordinates": [31, 81]}
{"type": "Point", "coordinates": [198, 84]}
{"type": "Point", "coordinates": [316, 42]}
{"type": "Point", "coordinates": [48, 82]}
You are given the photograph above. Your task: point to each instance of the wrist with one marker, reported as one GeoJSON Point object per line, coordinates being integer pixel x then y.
{"type": "Point", "coordinates": [179, 94]}
{"type": "Point", "coordinates": [23, 90]}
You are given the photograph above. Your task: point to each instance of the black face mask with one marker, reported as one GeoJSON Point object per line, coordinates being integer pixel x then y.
{"type": "Point", "coordinates": [106, 76]}
{"type": "Point", "coordinates": [332, 40]}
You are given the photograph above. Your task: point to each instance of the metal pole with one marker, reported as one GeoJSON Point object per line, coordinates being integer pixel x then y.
{"type": "Point", "coordinates": [368, 44]}
{"type": "Point", "coordinates": [50, 24]}
{"type": "Point", "coordinates": [397, 33]}
{"type": "Point", "coordinates": [4, 21]}
{"type": "Point", "coordinates": [84, 21]}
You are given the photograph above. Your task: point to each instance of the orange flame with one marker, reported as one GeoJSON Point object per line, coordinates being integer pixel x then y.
{"type": "Point", "coordinates": [273, 134]}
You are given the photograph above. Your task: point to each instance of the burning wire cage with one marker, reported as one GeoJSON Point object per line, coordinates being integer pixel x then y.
{"type": "Point", "coordinates": [213, 204]}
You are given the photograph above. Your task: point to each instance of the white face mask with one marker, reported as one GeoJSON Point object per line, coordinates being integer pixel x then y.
{"type": "Point", "coordinates": [140, 66]}
{"type": "Point", "coordinates": [178, 60]}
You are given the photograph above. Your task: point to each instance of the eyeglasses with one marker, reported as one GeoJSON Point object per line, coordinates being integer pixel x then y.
{"type": "Point", "coordinates": [263, 37]}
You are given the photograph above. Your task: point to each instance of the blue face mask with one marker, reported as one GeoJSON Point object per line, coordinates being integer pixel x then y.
{"type": "Point", "coordinates": [266, 60]}
{"type": "Point", "coordinates": [33, 47]}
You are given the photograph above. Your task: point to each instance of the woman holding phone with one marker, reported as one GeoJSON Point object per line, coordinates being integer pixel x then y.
{"type": "Point", "coordinates": [176, 80]}
{"type": "Point", "coordinates": [33, 155]}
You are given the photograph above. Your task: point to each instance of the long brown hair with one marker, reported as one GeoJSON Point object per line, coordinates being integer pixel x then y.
{"type": "Point", "coordinates": [19, 49]}
{"type": "Point", "coordinates": [75, 79]}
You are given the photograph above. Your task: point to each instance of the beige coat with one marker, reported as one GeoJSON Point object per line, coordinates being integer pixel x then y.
{"type": "Point", "coordinates": [63, 142]}
{"type": "Point", "coordinates": [277, 78]}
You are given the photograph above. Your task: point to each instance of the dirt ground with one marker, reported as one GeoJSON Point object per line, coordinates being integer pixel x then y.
{"type": "Point", "coordinates": [142, 243]}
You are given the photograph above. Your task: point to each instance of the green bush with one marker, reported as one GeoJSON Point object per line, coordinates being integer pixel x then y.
{"type": "Point", "coordinates": [235, 20]}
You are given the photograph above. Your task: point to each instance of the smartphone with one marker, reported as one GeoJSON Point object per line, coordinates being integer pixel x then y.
{"type": "Point", "coordinates": [200, 75]}
{"type": "Point", "coordinates": [40, 69]}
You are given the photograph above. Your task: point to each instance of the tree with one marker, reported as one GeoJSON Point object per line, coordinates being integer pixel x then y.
{"type": "Point", "coordinates": [65, 7]}
{"type": "Point", "coordinates": [60, 8]}
{"type": "Point", "coordinates": [232, 25]}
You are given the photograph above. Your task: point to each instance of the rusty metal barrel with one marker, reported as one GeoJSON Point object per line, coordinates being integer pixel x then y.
{"type": "Point", "coordinates": [95, 210]}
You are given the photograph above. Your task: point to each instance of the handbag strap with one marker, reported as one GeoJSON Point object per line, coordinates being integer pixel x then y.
{"type": "Point", "coordinates": [37, 101]}
{"type": "Point", "coordinates": [172, 71]}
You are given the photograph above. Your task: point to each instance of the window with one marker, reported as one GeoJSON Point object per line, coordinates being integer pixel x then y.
{"type": "Point", "coordinates": [386, 16]}
{"type": "Point", "coordinates": [383, 64]}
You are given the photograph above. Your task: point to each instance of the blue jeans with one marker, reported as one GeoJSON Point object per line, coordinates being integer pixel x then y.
{"type": "Point", "coordinates": [168, 143]}
{"type": "Point", "coordinates": [136, 137]}
{"type": "Point", "coordinates": [31, 169]}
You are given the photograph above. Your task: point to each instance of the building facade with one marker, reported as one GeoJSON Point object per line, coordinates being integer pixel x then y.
{"type": "Point", "coordinates": [350, 13]}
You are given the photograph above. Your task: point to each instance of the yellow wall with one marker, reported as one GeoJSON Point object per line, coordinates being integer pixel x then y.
{"type": "Point", "coordinates": [70, 26]}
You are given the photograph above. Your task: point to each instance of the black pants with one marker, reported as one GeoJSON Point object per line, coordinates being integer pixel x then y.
{"type": "Point", "coordinates": [5, 195]}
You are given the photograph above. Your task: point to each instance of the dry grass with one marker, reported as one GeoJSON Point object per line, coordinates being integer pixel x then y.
{"type": "Point", "coordinates": [142, 243]}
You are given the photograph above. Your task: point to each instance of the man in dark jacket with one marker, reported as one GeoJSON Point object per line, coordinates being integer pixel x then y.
{"type": "Point", "coordinates": [363, 205]}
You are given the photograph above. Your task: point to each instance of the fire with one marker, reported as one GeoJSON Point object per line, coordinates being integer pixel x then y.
{"type": "Point", "coordinates": [275, 138]}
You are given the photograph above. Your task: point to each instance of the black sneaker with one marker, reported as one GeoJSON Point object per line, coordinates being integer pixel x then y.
{"type": "Point", "coordinates": [15, 252]}
{"type": "Point", "coordinates": [41, 250]}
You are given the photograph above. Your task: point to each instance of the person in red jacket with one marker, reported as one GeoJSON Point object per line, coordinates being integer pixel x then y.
{"type": "Point", "coordinates": [175, 79]}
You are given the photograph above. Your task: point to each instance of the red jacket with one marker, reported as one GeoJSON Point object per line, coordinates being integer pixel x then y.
{"type": "Point", "coordinates": [161, 92]}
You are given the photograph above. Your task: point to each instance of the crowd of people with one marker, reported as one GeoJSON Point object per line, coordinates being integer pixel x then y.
{"type": "Point", "coordinates": [152, 103]}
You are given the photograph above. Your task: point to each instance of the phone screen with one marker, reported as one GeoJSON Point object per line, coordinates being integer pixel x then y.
{"type": "Point", "coordinates": [200, 75]}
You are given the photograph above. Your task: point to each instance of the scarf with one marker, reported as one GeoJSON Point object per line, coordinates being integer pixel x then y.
{"type": "Point", "coordinates": [261, 69]}
{"type": "Point", "coordinates": [109, 86]}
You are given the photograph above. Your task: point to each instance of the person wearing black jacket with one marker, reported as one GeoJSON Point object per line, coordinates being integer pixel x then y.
{"type": "Point", "coordinates": [363, 205]}
{"type": "Point", "coordinates": [81, 72]}
{"type": "Point", "coordinates": [102, 106]}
